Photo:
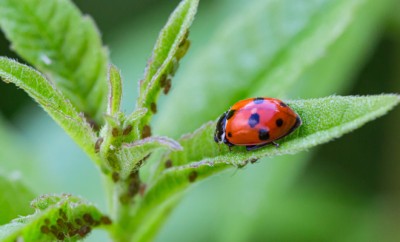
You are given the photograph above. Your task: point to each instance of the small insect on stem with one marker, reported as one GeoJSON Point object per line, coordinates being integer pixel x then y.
{"type": "Point", "coordinates": [97, 145]}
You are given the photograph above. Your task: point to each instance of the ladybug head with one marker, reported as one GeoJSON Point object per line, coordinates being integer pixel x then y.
{"type": "Point", "coordinates": [219, 134]}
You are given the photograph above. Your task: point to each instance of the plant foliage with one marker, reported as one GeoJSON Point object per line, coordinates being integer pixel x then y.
{"type": "Point", "coordinates": [145, 175]}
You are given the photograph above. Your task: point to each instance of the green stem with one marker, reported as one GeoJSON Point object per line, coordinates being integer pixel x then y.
{"type": "Point", "coordinates": [122, 204]}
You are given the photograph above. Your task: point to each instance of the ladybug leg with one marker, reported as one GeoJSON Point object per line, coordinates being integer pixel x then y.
{"type": "Point", "coordinates": [255, 147]}
{"type": "Point", "coordinates": [275, 144]}
{"type": "Point", "coordinates": [229, 144]}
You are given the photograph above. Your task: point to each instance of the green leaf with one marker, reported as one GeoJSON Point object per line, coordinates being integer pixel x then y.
{"type": "Point", "coordinates": [266, 49]}
{"type": "Point", "coordinates": [119, 130]}
{"type": "Point", "coordinates": [63, 217]}
{"type": "Point", "coordinates": [332, 73]}
{"type": "Point", "coordinates": [52, 101]}
{"type": "Point", "coordinates": [14, 197]}
{"type": "Point", "coordinates": [132, 155]}
{"type": "Point", "coordinates": [115, 90]}
{"type": "Point", "coordinates": [323, 119]}
{"type": "Point", "coordinates": [219, 67]}
{"type": "Point", "coordinates": [170, 47]}
{"type": "Point", "coordinates": [55, 38]}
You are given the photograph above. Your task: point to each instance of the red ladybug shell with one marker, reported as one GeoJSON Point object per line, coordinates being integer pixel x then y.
{"type": "Point", "coordinates": [256, 122]}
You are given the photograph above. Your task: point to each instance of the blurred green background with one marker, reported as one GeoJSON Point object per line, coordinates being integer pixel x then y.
{"type": "Point", "coordinates": [346, 190]}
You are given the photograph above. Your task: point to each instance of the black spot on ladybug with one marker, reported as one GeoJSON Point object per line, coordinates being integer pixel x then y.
{"type": "Point", "coordinates": [230, 114]}
{"type": "Point", "coordinates": [258, 100]}
{"type": "Point", "coordinates": [229, 134]}
{"type": "Point", "coordinates": [279, 122]}
{"type": "Point", "coordinates": [254, 120]}
{"type": "Point", "coordinates": [283, 104]}
{"type": "Point", "coordinates": [263, 134]}
{"type": "Point", "coordinates": [192, 176]}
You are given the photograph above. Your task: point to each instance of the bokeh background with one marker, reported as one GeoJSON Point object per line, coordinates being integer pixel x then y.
{"type": "Point", "coordinates": [346, 190]}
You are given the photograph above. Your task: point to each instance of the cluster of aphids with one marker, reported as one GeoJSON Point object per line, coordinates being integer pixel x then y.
{"type": "Point", "coordinates": [165, 79]}
{"type": "Point", "coordinates": [65, 228]}
{"type": "Point", "coordinates": [132, 183]}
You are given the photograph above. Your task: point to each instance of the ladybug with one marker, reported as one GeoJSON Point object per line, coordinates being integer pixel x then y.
{"type": "Point", "coordinates": [256, 122]}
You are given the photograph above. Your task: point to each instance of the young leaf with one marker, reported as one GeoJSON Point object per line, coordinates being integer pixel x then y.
{"type": "Point", "coordinates": [323, 119]}
{"type": "Point", "coordinates": [14, 198]}
{"type": "Point", "coordinates": [55, 37]}
{"type": "Point", "coordinates": [134, 154]}
{"type": "Point", "coordinates": [132, 119]}
{"type": "Point", "coordinates": [170, 47]}
{"type": "Point", "coordinates": [61, 217]}
{"type": "Point", "coordinates": [55, 104]}
{"type": "Point", "coordinates": [115, 90]}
